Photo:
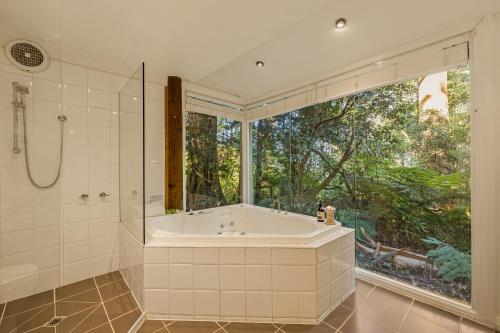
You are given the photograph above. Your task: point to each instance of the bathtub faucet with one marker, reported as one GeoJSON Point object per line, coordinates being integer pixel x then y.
{"type": "Point", "coordinates": [276, 204]}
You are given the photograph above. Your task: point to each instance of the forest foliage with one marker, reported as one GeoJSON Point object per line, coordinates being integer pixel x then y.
{"type": "Point", "coordinates": [400, 174]}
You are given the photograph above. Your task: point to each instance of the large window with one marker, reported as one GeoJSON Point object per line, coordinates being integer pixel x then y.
{"type": "Point", "coordinates": [394, 161]}
{"type": "Point", "coordinates": [213, 161]}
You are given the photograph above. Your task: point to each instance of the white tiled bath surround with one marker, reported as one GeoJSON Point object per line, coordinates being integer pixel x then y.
{"type": "Point", "coordinates": [67, 238]}
{"type": "Point", "coordinates": [256, 284]}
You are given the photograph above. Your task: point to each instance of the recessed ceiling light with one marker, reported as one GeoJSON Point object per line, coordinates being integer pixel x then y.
{"type": "Point", "coordinates": [341, 23]}
{"type": "Point", "coordinates": [259, 64]}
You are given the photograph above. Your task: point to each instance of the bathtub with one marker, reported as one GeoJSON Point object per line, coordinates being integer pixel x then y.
{"type": "Point", "coordinates": [245, 263]}
{"type": "Point", "coordinates": [238, 225]}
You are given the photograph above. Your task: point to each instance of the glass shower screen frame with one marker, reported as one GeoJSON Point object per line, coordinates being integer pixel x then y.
{"type": "Point", "coordinates": [132, 154]}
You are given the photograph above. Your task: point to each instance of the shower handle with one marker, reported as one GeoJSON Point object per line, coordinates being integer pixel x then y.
{"type": "Point", "coordinates": [17, 103]}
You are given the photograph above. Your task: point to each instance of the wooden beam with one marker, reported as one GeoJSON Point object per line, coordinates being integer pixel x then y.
{"type": "Point", "coordinates": [173, 144]}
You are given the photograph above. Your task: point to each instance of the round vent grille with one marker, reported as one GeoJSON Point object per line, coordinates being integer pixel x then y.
{"type": "Point", "coordinates": [27, 56]}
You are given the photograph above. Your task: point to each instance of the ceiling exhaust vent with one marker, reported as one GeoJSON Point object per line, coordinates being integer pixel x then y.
{"type": "Point", "coordinates": [27, 56]}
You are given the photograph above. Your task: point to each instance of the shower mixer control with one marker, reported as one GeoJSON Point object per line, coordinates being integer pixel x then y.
{"type": "Point", "coordinates": [84, 196]}
{"type": "Point", "coordinates": [103, 195]}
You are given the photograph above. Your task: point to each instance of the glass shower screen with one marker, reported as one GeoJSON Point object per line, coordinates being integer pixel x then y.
{"type": "Point", "coordinates": [132, 154]}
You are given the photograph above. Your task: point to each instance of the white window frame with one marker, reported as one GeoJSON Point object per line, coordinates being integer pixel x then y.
{"type": "Point", "coordinates": [388, 70]}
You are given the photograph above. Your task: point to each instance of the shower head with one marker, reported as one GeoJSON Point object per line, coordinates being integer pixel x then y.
{"type": "Point", "coordinates": [19, 88]}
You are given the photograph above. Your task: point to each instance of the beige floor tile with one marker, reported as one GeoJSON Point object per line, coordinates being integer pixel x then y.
{"type": "Point", "coordinates": [120, 305]}
{"type": "Point", "coordinates": [74, 288]}
{"type": "Point", "coordinates": [108, 277]}
{"type": "Point", "coordinates": [338, 316]}
{"type": "Point", "coordinates": [125, 322]}
{"type": "Point", "coordinates": [30, 302]}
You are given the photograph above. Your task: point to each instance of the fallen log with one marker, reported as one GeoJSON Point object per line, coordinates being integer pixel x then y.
{"type": "Point", "coordinates": [400, 258]}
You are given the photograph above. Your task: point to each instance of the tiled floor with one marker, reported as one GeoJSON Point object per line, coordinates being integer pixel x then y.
{"type": "Point", "coordinates": [104, 305]}
{"type": "Point", "coordinates": [99, 305]}
{"type": "Point", "coordinates": [369, 310]}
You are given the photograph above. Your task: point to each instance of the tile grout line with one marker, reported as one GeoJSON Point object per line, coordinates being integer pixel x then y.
{"type": "Point", "coordinates": [371, 291]}
{"type": "Point", "coordinates": [343, 323]}
{"type": "Point", "coordinates": [81, 321]}
{"type": "Point", "coordinates": [349, 317]}
{"type": "Point", "coordinates": [21, 312]}
{"type": "Point", "coordinates": [77, 294]}
{"type": "Point", "coordinates": [220, 329]}
{"type": "Point", "coordinates": [54, 298]}
{"type": "Point", "coordinates": [95, 328]}
{"type": "Point", "coordinates": [124, 314]}
{"type": "Point", "coordinates": [31, 317]}
{"type": "Point", "coordinates": [105, 311]}
{"type": "Point", "coordinates": [406, 315]}
{"type": "Point", "coordinates": [3, 312]}
{"type": "Point", "coordinates": [165, 325]}
{"type": "Point", "coordinates": [120, 295]}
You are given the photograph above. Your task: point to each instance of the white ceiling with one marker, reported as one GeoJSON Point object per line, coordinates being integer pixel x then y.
{"type": "Point", "coordinates": [216, 42]}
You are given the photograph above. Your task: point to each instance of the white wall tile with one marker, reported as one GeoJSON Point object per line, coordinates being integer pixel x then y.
{"type": "Point", "coordinates": [181, 302]}
{"type": "Point", "coordinates": [206, 277]}
{"type": "Point", "coordinates": [181, 276]}
{"type": "Point", "coordinates": [323, 299]}
{"type": "Point", "coordinates": [285, 304]}
{"type": "Point", "coordinates": [284, 256]}
{"type": "Point", "coordinates": [48, 257]}
{"type": "Point", "coordinates": [47, 215]}
{"type": "Point", "coordinates": [258, 256]}
{"type": "Point", "coordinates": [47, 279]}
{"type": "Point", "coordinates": [323, 273]}
{"type": "Point", "coordinates": [16, 242]}
{"type": "Point", "coordinates": [307, 256]}
{"type": "Point", "coordinates": [76, 134]}
{"type": "Point", "coordinates": [100, 246]}
{"type": "Point", "coordinates": [206, 255]}
{"type": "Point", "coordinates": [99, 117]}
{"type": "Point", "coordinates": [75, 271]}
{"type": "Point", "coordinates": [258, 277]}
{"type": "Point", "coordinates": [73, 94]}
{"type": "Point", "coordinates": [16, 219]}
{"type": "Point", "coordinates": [181, 255]}
{"type": "Point", "coordinates": [232, 304]}
{"type": "Point", "coordinates": [98, 79]}
{"type": "Point", "coordinates": [307, 305]}
{"type": "Point", "coordinates": [46, 90]}
{"type": "Point", "coordinates": [155, 255]}
{"type": "Point", "coordinates": [206, 303]}
{"type": "Point", "coordinates": [75, 232]}
{"type": "Point", "coordinates": [74, 74]}
{"type": "Point", "coordinates": [98, 98]}
{"type": "Point", "coordinates": [46, 110]}
{"type": "Point", "coordinates": [259, 304]}
{"type": "Point", "coordinates": [307, 278]}
{"type": "Point", "coordinates": [323, 253]}
{"type": "Point", "coordinates": [232, 256]}
{"type": "Point", "coordinates": [99, 136]}
{"type": "Point", "coordinates": [285, 278]}
{"type": "Point", "coordinates": [47, 237]}
{"type": "Point", "coordinates": [232, 277]}
{"type": "Point", "coordinates": [156, 301]}
{"type": "Point", "coordinates": [76, 114]}
{"type": "Point", "coordinates": [76, 251]}
{"type": "Point", "coordinates": [16, 197]}
{"type": "Point", "coordinates": [156, 276]}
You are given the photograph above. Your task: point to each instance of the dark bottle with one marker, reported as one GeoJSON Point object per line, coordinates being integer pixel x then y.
{"type": "Point", "coordinates": [320, 213]}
